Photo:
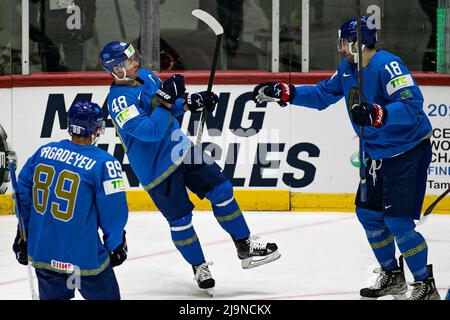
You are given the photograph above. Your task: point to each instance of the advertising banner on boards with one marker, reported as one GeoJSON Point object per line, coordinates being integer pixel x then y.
{"type": "Point", "coordinates": [260, 147]}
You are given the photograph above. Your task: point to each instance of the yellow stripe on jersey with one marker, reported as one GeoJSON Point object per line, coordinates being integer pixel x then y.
{"type": "Point", "coordinates": [83, 272]}
{"type": "Point", "coordinates": [169, 171]}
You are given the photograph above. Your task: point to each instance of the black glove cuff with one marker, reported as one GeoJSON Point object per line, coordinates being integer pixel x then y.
{"type": "Point", "coordinates": [293, 92]}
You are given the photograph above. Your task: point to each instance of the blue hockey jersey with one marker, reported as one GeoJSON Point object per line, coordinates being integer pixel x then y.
{"type": "Point", "coordinates": [150, 135]}
{"type": "Point", "coordinates": [387, 82]}
{"type": "Point", "coordinates": [67, 192]}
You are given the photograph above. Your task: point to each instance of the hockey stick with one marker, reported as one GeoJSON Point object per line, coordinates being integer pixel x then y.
{"type": "Point", "coordinates": [362, 148]}
{"type": "Point", "coordinates": [22, 231]}
{"type": "Point", "coordinates": [120, 20]}
{"type": "Point", "coordinates": [218, 30]}
{"type": "Point", "coordinates": [431, 207]}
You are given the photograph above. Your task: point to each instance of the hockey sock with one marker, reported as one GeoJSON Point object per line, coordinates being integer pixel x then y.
{"type": "Point", "coordinates": [412, 245]}
{"type": "Point", "coordinates": [380, 237]}
{"type": "Point", "coordinates": [231, 220]}
{"type": "Point", "coordinates": [186, 240]}
{"type": "Point", "coordinates": [227, 211]}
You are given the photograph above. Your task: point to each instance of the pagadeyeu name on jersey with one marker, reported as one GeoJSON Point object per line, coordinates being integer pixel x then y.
{"type": "Point", "coordinates": [67, 156]}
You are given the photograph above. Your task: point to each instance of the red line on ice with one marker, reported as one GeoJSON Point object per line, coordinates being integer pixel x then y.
{"type": "Point", "coordinates": [214, 243]}
{"type": "Point", "coordinates": [12, 281]}
{"type": "Point", "coordinates": [227, 240]}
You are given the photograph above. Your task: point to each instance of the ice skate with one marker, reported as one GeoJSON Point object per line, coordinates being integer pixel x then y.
{"type": "Point", "coordinates": [425, 289]}
{"type": "Point", "coordinates": [388, 283]}
{"type": "Point", "coordinates": [254, 253]}
{"type": "Point", "coordinates": [203, 277]}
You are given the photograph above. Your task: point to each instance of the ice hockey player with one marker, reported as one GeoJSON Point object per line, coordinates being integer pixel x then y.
{"type": "Point", "coordinates": [165, 161]}
{"type": "Point", "coordinates": [4, 152]}
{"type": "Point", "coordinates": [397, 140]}
{"type": "Point", "coordinates": [67, 191]}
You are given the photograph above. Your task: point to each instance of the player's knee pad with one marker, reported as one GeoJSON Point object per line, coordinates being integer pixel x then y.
{"type": "Point", "coordinates": [221, 194]}
{"type": "Point", "coordinates": [372, 221]}
{"type": "Point", "coordinates": [403, 228]}
{"type": "Point", "coordinates": [181, 223]}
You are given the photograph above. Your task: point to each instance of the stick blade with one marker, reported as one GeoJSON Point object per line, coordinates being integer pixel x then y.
{"type": "Point", "coordinates": [209, 20]}
{"type": "Point", "coordinates": [422, 220]}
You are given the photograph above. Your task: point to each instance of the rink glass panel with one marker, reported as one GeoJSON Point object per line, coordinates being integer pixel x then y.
{"type": "Point", "coordinates": [408, 29]}
{"type": "Point", "coordinates": [63, 38]}
{"type": "Point", "coordinates": [9, 45]}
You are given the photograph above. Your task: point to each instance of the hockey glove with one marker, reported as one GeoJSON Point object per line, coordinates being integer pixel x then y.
{"type": "Point", "coordinates": [367, 114]}
{"type": "Point", "coordinates": [119, 254]}
{"type": "Point", "coordinates": [196, 102]}
{"type": "Point", "coordinates": [281, 93]}
{"type": "Point", "coordinates": [172, 89]}
{"type": "Point", "coordinates": [20, 249]}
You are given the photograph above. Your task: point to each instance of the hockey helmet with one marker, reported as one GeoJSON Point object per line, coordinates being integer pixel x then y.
{"type": "Point", "coordinates": [348, 32]}
{"type": "Point", "coordinates": [115, 53]}
{"type": "Point", "coordinates": [84, 118]}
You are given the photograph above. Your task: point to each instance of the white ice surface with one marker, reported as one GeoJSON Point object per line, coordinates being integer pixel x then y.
{"type": "Point", "coordinates": [324, 256]}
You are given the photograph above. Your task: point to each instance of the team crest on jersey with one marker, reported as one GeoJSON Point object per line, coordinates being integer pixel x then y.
{"type": "Point", "coordinates": [399, 83]}
{"type": "Point", "coordinates": [62, 266]}
{"type": "Point", "coordinates": [125, 115]}
{"type": "Point", "coordinates": [405, 95]}
{"type": "Point", "coordinates": [114, 186]}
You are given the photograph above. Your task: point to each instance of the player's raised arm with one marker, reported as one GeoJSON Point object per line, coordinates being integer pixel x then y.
{"type": "Point", "coordinates": [130, 118]}
{"type": "Point", "coordinates": [112, 208]}
{"type": "Point", "coordinates": [319, 96]}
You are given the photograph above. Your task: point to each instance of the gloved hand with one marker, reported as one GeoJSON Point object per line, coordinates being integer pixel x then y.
{"type": "Point", "coordinates": [172, 89]}
{"type": "Point", "coordinates": [281, 93]}
{"type": "Point", "coordinates": [368, 114]}
{"type": "Point", "coordinates": [119, 254]}
{"type": "Point", "coordinates": [20, 249]}
{"type": "Point", "coordinates": [198, 101]}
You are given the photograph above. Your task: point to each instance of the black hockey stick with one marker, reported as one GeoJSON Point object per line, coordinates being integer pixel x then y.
{"type": "Point", "coordinates": [218, 30]}
{"type": "Point", "coordinates": [22, 231]}
{"type": "Point", "coordinates": [362, 148]}
{"type": "Point", "coordinates": [8, 162]}
{"type": "Point", "coordinates": [120, 20]}
{"type": "Point", "coordinates": [432, 206]}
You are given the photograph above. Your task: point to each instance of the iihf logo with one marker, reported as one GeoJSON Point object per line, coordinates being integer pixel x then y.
{"type": "Point", "coordinates": [62, 266]}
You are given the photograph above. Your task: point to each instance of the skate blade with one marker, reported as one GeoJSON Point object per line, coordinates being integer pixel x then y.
{"type": "Point", "coordinates": [210, 292]}
{"type": "Point", "coordinates": [368, 298]}
{"type": "Point", "coordinates": [400, 296]}
{"type": "Point", "coordinates": [435, 296]}
{"type": "Point", "coordinates": [251, 263]}
{"type": "Point", "coordinates": [397, 296]}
